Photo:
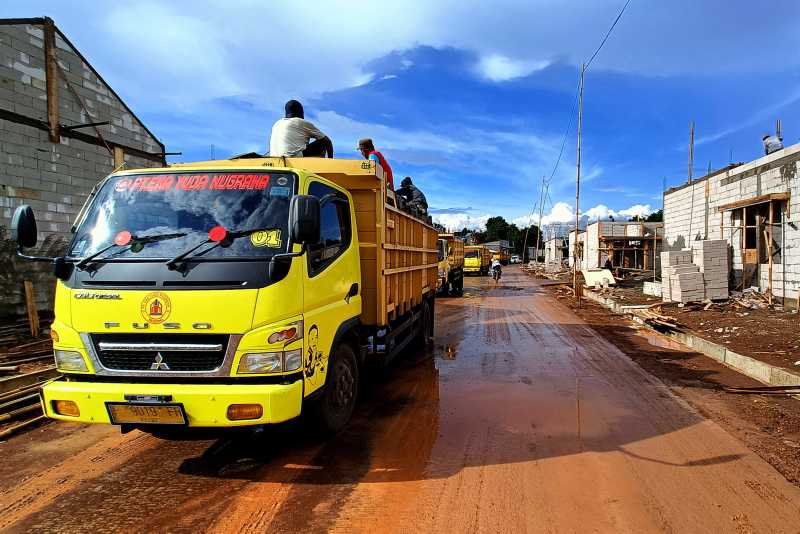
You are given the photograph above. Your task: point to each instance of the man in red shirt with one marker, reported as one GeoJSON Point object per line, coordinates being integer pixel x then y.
{"type": "Point", "coordinates": [367, 149]}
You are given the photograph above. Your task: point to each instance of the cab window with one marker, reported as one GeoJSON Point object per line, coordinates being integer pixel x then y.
{"type": "Point", "coordinates": [334, 227]}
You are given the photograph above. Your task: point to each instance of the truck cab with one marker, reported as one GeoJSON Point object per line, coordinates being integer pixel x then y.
{"type": "Point", "coordinates": [450, 254]}
{"type": "Point", "coordinates": [229, 293]}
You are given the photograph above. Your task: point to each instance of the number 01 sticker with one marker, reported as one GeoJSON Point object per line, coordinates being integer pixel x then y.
{"type": "Point", "coordinates": [266, 238]}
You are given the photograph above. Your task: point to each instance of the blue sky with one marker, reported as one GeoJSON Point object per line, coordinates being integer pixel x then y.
{"type": "Point", "coordinates": [469, 98]}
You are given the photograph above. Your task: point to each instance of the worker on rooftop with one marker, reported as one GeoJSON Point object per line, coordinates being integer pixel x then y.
{"type": "Point", "coordinates": [291, 135]}
{"type": "Point", "coordinates": [772, 143]}
{"type": "Point", "coordinates": [367, 149]}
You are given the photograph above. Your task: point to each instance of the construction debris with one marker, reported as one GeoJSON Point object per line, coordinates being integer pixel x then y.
{"type": "Point", "coordinates": [26, 364]}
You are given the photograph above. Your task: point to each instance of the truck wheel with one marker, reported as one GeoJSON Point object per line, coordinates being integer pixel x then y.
{"type": "Point", "coordinates": [458, 287]}
{"type": "Point", "coordinates": [425, 335]}
{"type": "Point", "coordinates": [335, 407]}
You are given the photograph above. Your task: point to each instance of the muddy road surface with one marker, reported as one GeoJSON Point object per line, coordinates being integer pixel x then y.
{"type": "Point", "coordinates": [520, 419]}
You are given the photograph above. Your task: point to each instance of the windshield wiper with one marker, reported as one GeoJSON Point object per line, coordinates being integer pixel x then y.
{"type": "Point", "coordinates": [223, 238]}
{"type": "Point", "coordinates": [134, 240]}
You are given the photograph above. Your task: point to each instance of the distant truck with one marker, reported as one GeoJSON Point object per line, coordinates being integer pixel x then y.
{"type": "Point", "coordinates": [233, 293]}
{"type": "Point", "coordinates": [502, 256]}
{"type": "Point", "coordinates": [451, 265]}
{"type": "Point", "coordinates": [477, 260]}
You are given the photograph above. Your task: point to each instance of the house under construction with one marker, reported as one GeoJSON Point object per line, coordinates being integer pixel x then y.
{"type": "Point", "coordinates": [754, 207]}
{"type": "Point", "coordinates": [629, 245]}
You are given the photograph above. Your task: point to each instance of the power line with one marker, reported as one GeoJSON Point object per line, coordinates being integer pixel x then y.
{"type": "Point", "coordinates": [608, 33]}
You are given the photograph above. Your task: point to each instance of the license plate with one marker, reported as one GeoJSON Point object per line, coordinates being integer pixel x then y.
{"type": "Point", "coordinates": [161, 414]}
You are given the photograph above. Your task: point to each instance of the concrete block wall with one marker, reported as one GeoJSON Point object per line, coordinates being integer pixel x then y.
{"type": "Point", "coordinates": [775, 173]}
{"type": "Point", "coordinates": [53, 178]}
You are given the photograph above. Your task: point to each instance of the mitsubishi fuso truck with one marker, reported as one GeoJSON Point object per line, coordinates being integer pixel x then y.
{"type": "Point", "coordinates": [451, 265]}
{"type": "Point", "coordinates": [233, 293]}
{"type": "Point", "coordinates": [477, 260]}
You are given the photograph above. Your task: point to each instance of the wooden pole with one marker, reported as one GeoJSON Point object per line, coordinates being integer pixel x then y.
{"type": "Point", "coordinates": [546, 186]}
{"type": "Point", "coordinates": [691, 150]}
{"type": "Point", "coordinates": [51, 79]}
{"type": "Point", "coordinates": [578, 189]}
{"type": "Point", "coordinates": [30, 304]}
{"type": "Point", "coordinates": [769, 249]}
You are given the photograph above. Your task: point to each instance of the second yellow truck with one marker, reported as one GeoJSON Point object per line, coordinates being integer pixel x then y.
{"type": "Point", "coordinates": [477, 260]}
{"type": "Point", "coordinates": [451, 265]}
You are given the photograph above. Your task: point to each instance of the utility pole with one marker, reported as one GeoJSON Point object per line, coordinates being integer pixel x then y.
{"type": "Point", "coordinates": [578, 190]}
{"type": "Point", "coordinates": [778, 128]}
{"type": "Point", "coordinates": [545, 187]}
{"type": "Point", "coordinates": [691, 150]}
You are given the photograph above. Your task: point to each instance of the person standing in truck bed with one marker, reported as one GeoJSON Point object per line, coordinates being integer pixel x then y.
{"type": "Point", "coordinates": [367, 149]}
{"type": "Point", "coordinates": [291, 135]}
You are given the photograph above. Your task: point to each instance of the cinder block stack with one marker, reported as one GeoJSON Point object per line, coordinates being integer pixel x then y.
{"type": "Point", "coordinates": [711, 257]}
{"type": "Point", "coordinates": [673, 262]}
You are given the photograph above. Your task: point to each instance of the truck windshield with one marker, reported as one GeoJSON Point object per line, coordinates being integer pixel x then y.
{"type": "Point", "coordinates": [471, 254]}
{"type": "Point", "coordinates": [190, 204]}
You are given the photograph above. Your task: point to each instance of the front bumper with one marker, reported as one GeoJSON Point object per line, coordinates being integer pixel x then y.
{"type": "Point", "coordinates": [206, 405]}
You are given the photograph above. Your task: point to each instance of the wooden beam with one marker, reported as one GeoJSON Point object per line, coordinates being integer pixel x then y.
{"type": "Point", "coordinates": [51, 79]}
{"type": "Point", "coordinates": [761, 199]}
{"type": "Point", "coordinates": [30, 304]}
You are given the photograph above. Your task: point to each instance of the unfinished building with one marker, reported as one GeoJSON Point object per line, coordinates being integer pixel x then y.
{"type": "Point", "coordinates": [754, 207]}
{"type": "Point", "coordinates": [630, 245]}
{"type": "Point", "coordinates": [62, 129]}
{"type": "Point", "coordinates": [556, 250]}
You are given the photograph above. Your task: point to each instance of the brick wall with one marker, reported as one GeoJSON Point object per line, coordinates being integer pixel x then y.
{"type": "Point", "coordinates": [54, 178]}
{"type": "Point", "coordinates": [691, 214]}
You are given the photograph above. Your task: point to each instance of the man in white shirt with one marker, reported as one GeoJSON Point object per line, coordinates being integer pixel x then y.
{"type": "Point", "coordinates": [291, 135]}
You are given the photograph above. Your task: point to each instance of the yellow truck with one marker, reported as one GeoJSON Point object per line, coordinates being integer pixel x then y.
{"type": "Point", "coordinates": [451, 265]}
{"type": "Point", "coordinates": [502, 256]}
{"type": "Point", "coordinates": [477, 260]}
{"type": "Point", "coordinates": [233, 293]}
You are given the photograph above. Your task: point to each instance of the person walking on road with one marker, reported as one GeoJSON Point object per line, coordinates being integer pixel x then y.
{"type": "Point", "coordinates": [367, 149]}
{"type": "Point", "coordinates": [291, 135]}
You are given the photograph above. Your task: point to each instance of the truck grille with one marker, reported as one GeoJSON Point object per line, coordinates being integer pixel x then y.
{"type": "Point", "coordinates": [160, 352]}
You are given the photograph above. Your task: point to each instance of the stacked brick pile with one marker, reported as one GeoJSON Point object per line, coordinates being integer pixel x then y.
{"type": "Point", "coordinates": [699, 273]}
{"type": "Point", "coordinates": [711, 256]}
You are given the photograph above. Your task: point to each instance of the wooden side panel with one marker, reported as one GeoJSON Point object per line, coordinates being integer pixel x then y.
{"type": "Point", "coordinates": [398, 255]}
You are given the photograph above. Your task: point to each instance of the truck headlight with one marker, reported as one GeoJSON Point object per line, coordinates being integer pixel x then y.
{"type": "Point", "coordinates": [261, 362]}
{"type": "Point", "coordinates": [67, 360]}
{"type": "Point", "coordinates": [293, 360]}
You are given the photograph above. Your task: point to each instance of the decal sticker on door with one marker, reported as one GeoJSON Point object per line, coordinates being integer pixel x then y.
{"type": "Point", "coordinates": [315, 361]}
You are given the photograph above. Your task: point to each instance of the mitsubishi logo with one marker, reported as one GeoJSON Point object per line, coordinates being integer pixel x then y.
{"type": "Point", "coordinates": [159, 364]}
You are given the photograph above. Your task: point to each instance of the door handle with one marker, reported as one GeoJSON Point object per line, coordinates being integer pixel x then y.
{"type": "Point", "coordinates": [352, 292]}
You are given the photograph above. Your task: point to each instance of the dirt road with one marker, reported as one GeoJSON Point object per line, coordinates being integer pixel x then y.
{"type": "Point", "coordinates": [524, 419]}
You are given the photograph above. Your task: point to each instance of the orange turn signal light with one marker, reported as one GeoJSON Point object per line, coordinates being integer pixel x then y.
{"type": "Point", "coordinates": [66, 407]}
{"type": "Point", "coordinates": [240, 412]}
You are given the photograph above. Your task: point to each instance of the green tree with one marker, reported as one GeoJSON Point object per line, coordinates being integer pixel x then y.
{"type": "Point", "coordinates": [656, 216]}
{"type": "Point", "coordinates": [496, 229]}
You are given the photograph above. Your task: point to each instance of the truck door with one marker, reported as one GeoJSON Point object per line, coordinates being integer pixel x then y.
{"type": "Point", "coordinates": [332, 269]}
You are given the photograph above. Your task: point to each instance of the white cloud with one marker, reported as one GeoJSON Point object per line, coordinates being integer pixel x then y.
{"type": "Point", "coordinates": [457, 221]}
{"type": "Point", "coordinates": [563, 213]}
{"type": "Point", "coordinates": [499, 68]}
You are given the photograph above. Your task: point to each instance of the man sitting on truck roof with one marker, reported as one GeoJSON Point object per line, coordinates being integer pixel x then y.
{"type": "Point", "coordinates": [414, 200]}
{"type": "Point", "coordinates": [367, 149]}
{"type": "Point", "coordinates": [291, 135]}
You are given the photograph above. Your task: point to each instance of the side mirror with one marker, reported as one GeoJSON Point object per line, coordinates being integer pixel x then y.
{"type": "Point", "coordinates": [23, 227]}
{"type": "Point", "coordinates": [304, 219]}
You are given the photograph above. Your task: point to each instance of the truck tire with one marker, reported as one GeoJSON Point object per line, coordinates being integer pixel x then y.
{"type": "Point", "coordinates": [335, 406]}
{"type": "Point", "coordinates": [458, 286]}
{"type": "Point", "coordinates": [425, 334]}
